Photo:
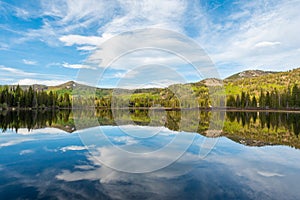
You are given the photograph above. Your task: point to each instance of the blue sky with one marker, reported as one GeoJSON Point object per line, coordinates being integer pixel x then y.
{"type": "Point", "coordinates": [49, 42]}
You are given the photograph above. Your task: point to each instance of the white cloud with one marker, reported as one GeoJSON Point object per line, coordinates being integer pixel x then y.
{"type": "Point", "coordinates": [70, 16]}
{"type": "Point", "coordinates": [17, 11]}
{"type": "Point", "coordinates": [15, 142]}
{"type": "Point", "coordinates": [70, 40]}
{"type": "Point", "coordinates": [267, 38]}
{"type": "Point", "coordinates": [80, 11]}
{"type": "Point", "coordinates": [27, 151]}
{"type": "Point", "coordinates": [253, 35]}
{"type": "Point", "coordinates": [126, 140]}
{"type": "Point", "coordinates": [29, 62]}
{"type": "Point", "coordinates": [132, 15]}
{"type": "Point", "coordinates": [143, 158]}
{"type": "Point", "coordinates": [73, 148]}
{"type": "Point", "coordinates": [119, 75]}
{"type": "Point", "coordinates": [269, 174]}
{"type": "Point", "coordinates": [86, 48]}
{"type": "Point", "coordinates": [84, 167]}
{"type": "Point", "coordinates": [28, 81]}
{"type": "Point", "coordinates": [153, 55]}
{"type": "Point", "coordinates": [147, 13]}
{"type": "Point", "coordinates": [24, 131]}
{"type": "Point", "coordinates": [18, 76]}
{"type": "Point", "coordinates": [108, 175]}
{"type": "Point", "coordinates": [267, 44]}
{"type": "Point", "coordinates": [8, 71]}
{"type": "Point", "coordinates": [77, 66]}
{"type": "Point", "coordinates": [22, 13]}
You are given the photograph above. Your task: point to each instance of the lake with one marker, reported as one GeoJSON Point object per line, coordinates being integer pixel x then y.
{"type": "Point", "coordinates": [149, 154]}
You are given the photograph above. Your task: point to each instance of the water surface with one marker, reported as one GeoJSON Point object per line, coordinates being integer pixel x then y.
{"type": "Point", "coordinates": [255, 156]}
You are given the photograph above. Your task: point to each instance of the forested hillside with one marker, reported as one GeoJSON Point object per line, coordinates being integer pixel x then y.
{"type": "Point", "coordinates": [271, 90]}
{"type": "Point", "coordinates": [16, 97]}
{"type": "Point", "coordinates": [249, 89]}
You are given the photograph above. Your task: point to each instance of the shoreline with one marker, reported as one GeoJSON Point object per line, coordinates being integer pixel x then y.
{"type": "Point", "coordinates": [226, 109]}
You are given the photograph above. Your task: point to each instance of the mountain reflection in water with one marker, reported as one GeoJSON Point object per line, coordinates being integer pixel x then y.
{"type": "Point", "coordinates": [248, 128]}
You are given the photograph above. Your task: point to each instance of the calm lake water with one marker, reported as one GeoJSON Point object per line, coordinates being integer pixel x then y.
{"type": "Point", "coordinates": [144, 154]}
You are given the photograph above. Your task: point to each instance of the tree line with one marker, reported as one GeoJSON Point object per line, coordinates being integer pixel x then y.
{"type": "Point", "coordinates": [288, 99]}
{"type": "Point", "coordinates": [16, 97]}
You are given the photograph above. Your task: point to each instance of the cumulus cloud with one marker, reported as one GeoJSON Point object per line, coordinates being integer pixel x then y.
{"type": "Point", "coordinates": [260, 34]}
{"type": "Point", "coordinates": [264, 37]}
{"type": "Point", "coordinates": [152, 56]}
{"type": "Point", "coordinates": [230, 41]}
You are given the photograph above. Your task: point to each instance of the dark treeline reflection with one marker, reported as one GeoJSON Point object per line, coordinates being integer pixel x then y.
{"type": "Point", "coordinates": [263, 128]}
{"type": "Point", "coordinates": [32, 119]}
{"type": "Point", "coordinates": [190, 121]}
{"type": "Point", "coordinates": [250, 128]}
{"type": "Point", "coordinates": [269, 120]}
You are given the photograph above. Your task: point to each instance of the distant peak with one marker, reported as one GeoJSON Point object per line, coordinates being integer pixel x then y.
{"type": "Point", "coordinates": [212, 82]}
{"type": "Point", "coordinates": [249, 74]}
{"type": "Point", "coordinates": [70, 82]}
{"type": "Point", "coordinates": [66, 85]}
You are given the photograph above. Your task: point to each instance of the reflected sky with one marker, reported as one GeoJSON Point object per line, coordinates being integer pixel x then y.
{"type": "Point", "coordinates": [53, 164]}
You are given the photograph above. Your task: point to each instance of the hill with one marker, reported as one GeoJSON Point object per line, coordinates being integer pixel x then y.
{"type": "Point", "coordinates": [38, 87]}
{"type": "Point", "coordinates": [278, 89]}
{"type": "Point", "coordinates": [249, 74]}
{"type": "Point", "coordinates": [253, 82]}
{"type": "Point", "coordinates": [212, 82]}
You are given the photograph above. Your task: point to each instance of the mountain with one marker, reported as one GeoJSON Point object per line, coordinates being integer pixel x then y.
{"type": "Point", "coordinates": [249, 74]}
{"type": "Point", "coordinates": [249, 79]}
{"type": "Point", "coordinates": [253, 82]}
{"type": "Point", "coordinates": [70, 85]}
{"type": "Point", "coordinates": [34, 86]}
{"type": "Point", "coordinates": [212, 82]}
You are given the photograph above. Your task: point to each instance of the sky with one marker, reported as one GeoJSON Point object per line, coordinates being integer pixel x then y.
{"type": "Point", "coordinates": [53, 41]}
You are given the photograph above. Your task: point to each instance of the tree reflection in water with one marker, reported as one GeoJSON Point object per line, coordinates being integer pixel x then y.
{"type": "Point", "coordinates": [250, 128]}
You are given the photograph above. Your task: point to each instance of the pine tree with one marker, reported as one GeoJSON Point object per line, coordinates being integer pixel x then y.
{"type": "Point", "coordinates": [238, 101]}
{"type": "Point", "coordinates": [268, 99]}
{"type": "Point", "coordinates": [254, 102]}
{"type": "Point", "coordinates": [248, 100]}
{"type": "Point", "coordinates": [295, 96]}
{"type": "Point", "coordinates": [243, 100]}
{"type": "Point", "coordinates": [262, 100]}
{"type": "Point", "coordinates": [231, 101]}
